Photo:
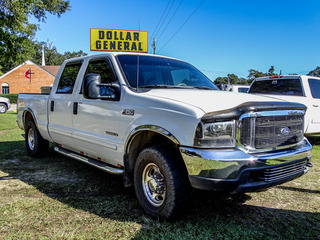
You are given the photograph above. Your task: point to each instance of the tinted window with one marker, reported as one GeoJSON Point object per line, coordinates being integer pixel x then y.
{"type": "Point", "coordinates": [103, 68]}
{"type": "Point", "coordinates": [155, 71]}
{"type": "Point", "coordinates": [314, 87]}
{"type": "Point", "coordinates": [242, 89]}
{"type": "Point", "coordinates": [68, 77]}
{"type": "Point", "coordinates": [278, 87]}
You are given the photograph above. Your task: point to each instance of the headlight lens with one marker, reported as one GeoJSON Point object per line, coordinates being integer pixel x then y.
{"type": "Point", "coordinates": [216, 135]}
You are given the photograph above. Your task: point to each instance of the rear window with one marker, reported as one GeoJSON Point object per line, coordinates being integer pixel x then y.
{"type": "Point", "coordinates": [290, 87]}
{"type": "Point", "coordinates": [314, 87]}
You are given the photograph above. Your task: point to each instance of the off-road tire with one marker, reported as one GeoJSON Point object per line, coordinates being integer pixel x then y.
{"type": "Point", "coordinates": [158, 168]}
{"type": "Point", "coordinates": [35, 144]}
{"type": "Point", "coordinates": [3, 108]}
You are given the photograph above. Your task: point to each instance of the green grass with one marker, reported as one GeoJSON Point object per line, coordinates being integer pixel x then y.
{"type": "Point", "coordinates": [59, 198]}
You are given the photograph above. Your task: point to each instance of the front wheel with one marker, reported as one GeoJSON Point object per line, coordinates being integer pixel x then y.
{"type": "Point", "coordinates": [35, 144]}
{"type": "Point", "coordinates": [160, 183]}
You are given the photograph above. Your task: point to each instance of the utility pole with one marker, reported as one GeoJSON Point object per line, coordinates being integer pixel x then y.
{"type": "Point", "coordinates": [154, 45]}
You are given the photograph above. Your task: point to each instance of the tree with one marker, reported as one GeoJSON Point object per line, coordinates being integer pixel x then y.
{"type": "Point", "coordinates": [16, 33]}
{"type": "Point", "coordinates": [315, 72]}
{"type": "Point", "coordinates": [254, 74]}
{"type": "Point", "coordinates": [232, 79]}
{"type": "Point", "coordinates": [271, 71]}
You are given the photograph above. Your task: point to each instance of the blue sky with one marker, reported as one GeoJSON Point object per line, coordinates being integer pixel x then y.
{"type": "Point", "coordinates": [221, 37]}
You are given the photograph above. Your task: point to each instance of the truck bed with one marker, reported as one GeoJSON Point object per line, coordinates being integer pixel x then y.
{"type": "Point", "coordinates": [38, 105]}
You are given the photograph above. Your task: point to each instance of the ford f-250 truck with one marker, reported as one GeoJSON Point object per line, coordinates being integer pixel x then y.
{"type": "Point", "coordinates": [163, 125]}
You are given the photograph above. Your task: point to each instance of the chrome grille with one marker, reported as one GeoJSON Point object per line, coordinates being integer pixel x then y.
{"type": "Point", "coordinates": [280, 172]}
{"type": "Point", "coordinates": [270, 130]}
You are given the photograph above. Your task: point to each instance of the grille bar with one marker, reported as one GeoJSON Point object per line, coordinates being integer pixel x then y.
{"type": "Point", "coordinates": [281, 172]}
{"type": "Point", "coordinates": [271, 130]}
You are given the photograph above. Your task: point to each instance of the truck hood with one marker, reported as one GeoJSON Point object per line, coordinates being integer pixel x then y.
{"type": "Point", "coordinates": [208, 100]}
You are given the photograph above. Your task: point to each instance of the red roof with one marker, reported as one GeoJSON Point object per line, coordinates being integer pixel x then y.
{"type": "Point", "coordinates": [51, 69]}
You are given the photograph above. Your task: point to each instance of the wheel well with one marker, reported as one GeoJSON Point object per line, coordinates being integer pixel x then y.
{"type": "Point", "coordinates": [28, 117]}
{"type": "Point", "coordinates": [144, 140]}
{"type": "Point", "coordinates": [5, 104]}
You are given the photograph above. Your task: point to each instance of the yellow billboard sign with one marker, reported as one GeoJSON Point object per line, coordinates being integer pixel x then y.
{"type": "Point", "coordinates": [118, 40]}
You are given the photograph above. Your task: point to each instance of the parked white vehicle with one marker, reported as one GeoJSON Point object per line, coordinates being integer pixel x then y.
{"type": "Point", "coordinates": [294, 88]}
{"type": "Point", "coordinates": [238, 88]}
{"type": "Point", "coordinates": [163, 125]}
{"type": "Point", "coordinates": [4, 104]}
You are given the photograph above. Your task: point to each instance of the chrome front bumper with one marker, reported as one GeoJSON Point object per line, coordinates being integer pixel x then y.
{"type": "Point", "coordinates": [238, 171]}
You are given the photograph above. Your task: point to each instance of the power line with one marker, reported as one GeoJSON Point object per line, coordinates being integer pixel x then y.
{"type": "Point", "coordinates": [161, 18]}
{"type": "Point", "coordinates": [170, 19]}
{"type": "Point", "coordinates": [182, 25]}
{"type": "Point", "coordinates": [165, 17]}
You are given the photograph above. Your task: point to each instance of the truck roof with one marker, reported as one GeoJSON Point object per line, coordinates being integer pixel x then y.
{"type": "Point", "coordinates": [116, 54]}
{"type": "Point", "coordinates": [284, 77]}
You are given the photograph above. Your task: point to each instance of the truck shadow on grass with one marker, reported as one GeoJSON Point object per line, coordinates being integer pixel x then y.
{"type": "Point", "coordinates": [207, 215]}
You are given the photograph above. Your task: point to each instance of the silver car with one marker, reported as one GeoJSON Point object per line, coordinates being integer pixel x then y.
{"type": "Point", "coordinates": [4, 104]}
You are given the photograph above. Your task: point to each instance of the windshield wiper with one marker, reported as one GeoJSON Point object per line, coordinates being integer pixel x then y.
{"type": "Point", "coordinates": [157, 86]}
{"type": "Point", "coordinates": [203, 87]}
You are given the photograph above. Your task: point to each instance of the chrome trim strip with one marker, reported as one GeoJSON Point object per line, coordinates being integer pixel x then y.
{"type": "Point", "coordinates": [92, 162]}
{"type": "Point", "coordinates": [151, 128]}
{"type": "Point", "coordinates": [271, 113]}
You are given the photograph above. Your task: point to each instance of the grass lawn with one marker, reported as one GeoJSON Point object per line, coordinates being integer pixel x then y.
{"type": "Point", "coordinates": [59, 198]}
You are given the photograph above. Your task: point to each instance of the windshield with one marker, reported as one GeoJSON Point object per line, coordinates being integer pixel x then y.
{"type": "Point", "coordinates": [277, 87]}
{"type": "Point", "coordinates": [162, 72]}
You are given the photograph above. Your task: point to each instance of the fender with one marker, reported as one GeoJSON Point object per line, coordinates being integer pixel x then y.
{"type": "Point", "coordinates": [151, 128]}
{"type": "Point", "coordinates": [25, 111]}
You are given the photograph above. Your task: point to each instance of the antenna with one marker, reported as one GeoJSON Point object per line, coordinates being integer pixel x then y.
{"type": "Point", "coordinates": [138, 64]}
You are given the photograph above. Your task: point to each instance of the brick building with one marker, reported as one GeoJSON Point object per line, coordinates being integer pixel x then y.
{"type": "Point", "coordinates": [27, 78]}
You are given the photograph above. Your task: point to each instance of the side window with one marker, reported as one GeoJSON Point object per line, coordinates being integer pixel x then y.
{"type": "Point", "coordinates": [314, 85]}
{"type": "Point", "coordinates": [68, 77]}
{"type": "Point", "coordinates": [102, 67]}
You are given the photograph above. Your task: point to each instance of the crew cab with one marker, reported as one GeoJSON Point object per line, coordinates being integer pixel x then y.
{"type": "Point", "coordinates": [164, 126]}
{"type": "Point", "coordinates": [294, 88]}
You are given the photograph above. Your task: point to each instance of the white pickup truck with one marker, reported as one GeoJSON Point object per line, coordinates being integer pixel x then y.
{"type": "Point", "coordinates": [294, 88]}
{"type": "Point", "coordinates": [165, 126]}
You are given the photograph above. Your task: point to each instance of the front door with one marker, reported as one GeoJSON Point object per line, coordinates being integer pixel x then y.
{"type": "Point", "coordinates": [96, 121]}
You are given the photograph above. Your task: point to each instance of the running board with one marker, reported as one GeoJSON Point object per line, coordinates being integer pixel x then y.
{"type": "Point", "coordinates": [90, 161]}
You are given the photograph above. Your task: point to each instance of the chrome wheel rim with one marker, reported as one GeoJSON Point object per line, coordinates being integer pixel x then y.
{"type": "Point", "coordinates": [2, 109]}
{"type": "Point", "coordinates": [31, 139]}
{"type": "Point", "coordinates": [153, 184]}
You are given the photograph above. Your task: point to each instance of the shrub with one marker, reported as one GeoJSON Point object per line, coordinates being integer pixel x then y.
{"type": "Point", "coordinates": [12, 96]}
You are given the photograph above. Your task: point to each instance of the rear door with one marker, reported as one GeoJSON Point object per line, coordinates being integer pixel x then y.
{"type": "Point", "coordinates": [60, 106]}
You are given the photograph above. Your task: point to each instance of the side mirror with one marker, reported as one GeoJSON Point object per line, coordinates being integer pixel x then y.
{"type": "Point", "coordinates": [92, 88]}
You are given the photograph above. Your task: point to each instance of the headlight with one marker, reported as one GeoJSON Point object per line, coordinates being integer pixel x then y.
{"type": "Point", "coordinates": [216, 135]}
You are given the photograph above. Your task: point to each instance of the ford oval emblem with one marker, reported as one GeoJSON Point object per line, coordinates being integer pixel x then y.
{"type": "Point", "coordinates": [285, 131]}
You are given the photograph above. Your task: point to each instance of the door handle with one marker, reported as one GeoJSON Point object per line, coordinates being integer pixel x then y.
{"type": "Point", "coordinates": [315, 105]}
{"type": "Point", "coordinates": [75, 108]}
{"type": "Point", "coordinates": [52, 106]}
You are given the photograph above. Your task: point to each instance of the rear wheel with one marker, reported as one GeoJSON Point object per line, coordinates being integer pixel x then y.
{"type": "Point", "coordinates": [3, 108]}
{"type": "Point", "coordinates": [35, 144]}
{"type": "Point", "coordinates": [160, 184]}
